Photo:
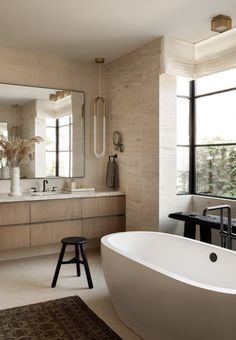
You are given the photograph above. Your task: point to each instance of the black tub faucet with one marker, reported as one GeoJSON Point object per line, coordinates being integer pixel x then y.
{"type": "Point", "coordinates": [226, 236]}
{"type": "Point", "coordinates": [44, 184]}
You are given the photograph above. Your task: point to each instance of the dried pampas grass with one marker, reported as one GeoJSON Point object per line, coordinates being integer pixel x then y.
{"type": "Point", "coordinates": [19, 151]}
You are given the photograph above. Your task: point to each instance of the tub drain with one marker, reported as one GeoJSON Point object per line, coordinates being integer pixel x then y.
{"type": "Point", "coordinates": [213, 257]}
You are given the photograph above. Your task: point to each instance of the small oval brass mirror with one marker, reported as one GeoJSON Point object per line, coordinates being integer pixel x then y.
{"type": "Point", "coordinates": [117, 141]}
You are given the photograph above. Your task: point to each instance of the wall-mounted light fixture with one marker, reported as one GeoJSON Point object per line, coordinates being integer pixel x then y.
{"type": "Point", "coordinates": [99, 101]}
{"type": "Point", "coordinates": [221, 23]}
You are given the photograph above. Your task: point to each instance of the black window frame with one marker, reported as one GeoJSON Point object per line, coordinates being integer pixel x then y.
{"type": "Point", "coordinates": [57, 151]}
{"type": "Point", "coordinates": [192, 138]}
{"type": "Point", "coordinates": [189, 146]}
{"type": "Point", "coordinates": [70, 150]}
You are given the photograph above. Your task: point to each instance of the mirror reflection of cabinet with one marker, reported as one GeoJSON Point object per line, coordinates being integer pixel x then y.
{"type": "Point", "coordinates": [55, 115]}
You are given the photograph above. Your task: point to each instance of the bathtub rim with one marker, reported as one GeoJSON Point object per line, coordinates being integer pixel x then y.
{"type": "Point", "coordinates": [177, 277]}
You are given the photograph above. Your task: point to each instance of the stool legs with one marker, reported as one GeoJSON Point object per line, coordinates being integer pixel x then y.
{"type": "Point", "coordinates": [77, 257]}
{"type": "Point", "coordinates": [75, 260]}
{"type": "Point", "coordinates": [86, 267]}
{"type": "Point", "coordinates": [58, 267]}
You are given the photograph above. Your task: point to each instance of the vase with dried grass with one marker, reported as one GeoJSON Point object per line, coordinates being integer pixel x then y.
{"type": "Point", "coordinates": [18, 152]}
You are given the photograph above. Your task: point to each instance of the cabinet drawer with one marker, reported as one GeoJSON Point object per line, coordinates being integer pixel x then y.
{"type": "Point", "coordinates": [100, 226]}
{"type": "Point", "coordinates": [14, 213]}
{"type": "Point", "coordinates": [49, 233]}
{"type": "Point", "coordinates": [13, 237]}
{"type": "Point", "coordinates": [55, 210]}
{"type": "Point", "coordinates": [103, 206]}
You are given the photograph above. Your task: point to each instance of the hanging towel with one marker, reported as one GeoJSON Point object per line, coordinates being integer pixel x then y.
{"type": "Point", "coordinates": [112, 175]}
{"type": "Point", "coordinates": [116, 182]}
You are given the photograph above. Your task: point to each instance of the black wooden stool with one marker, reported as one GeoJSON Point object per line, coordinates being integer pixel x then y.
{"type": "Point", "coordinates": [78, 243]}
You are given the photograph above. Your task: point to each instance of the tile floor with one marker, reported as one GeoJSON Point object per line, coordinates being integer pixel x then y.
{"type": "Point", "coordinates": [26, 281]}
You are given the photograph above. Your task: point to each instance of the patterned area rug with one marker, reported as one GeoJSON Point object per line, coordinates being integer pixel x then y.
{"type": "Point", "coordinates": [63, 319]}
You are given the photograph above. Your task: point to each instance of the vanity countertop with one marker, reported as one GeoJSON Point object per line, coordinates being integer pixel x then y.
{"type": "Point", "coordinates": [59, 195]}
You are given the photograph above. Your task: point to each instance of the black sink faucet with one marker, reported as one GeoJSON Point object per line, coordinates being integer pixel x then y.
{"type": "Point", "coordinates": [44, 184]}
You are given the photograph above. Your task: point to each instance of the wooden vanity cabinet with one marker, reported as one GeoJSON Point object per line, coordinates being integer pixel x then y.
{"type": "Point", "coordinates": [14, 225]}
{"type": "Point", "coordinates": [44, 222]}
{"type": "Point", "coordinates": [53, 232]}
{"type": "Point", "coordinates": [103, 206]}
{"type": "Point", "coordinates": [100, 226]}
{"type": "Point", "coordinates": [103, 215]}
{"type": "Point", "coordinates": [55, 210]}
{"type": "Point", "coordinates": [13, 237]}
{"type": "Point", "coordinates": [14, 213]}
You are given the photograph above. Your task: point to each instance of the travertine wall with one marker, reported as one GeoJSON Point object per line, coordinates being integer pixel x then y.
{"type": "Point", "coordinates": [10, 115]}
{"type": "Point", "coordinates": [20, 67]}
{"type": "Point", "coordinates": [27, 114]}
{"type": "Point", "coordinates": [132, 92]}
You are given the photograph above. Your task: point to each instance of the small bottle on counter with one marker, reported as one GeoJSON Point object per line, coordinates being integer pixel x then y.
{"type": "Point", "coordinates": [73, 184]}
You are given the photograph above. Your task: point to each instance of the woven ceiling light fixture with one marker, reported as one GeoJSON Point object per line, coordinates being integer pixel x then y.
{"type": "Point", "coordinates": [59, 95]}
{"type": "Point", "coordinates": [221, 23]}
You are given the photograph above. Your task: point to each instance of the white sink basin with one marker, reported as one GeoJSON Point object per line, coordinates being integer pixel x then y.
{"type": "Point", "coordinates": [46, 193]}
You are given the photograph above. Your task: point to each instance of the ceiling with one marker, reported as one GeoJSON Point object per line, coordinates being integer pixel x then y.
{"type": "Point", "coordinates": [20, 95]}
{"type": "Point", "coordinates": [85, 29]}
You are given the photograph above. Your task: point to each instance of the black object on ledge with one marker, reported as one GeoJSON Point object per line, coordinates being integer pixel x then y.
{"type": "Point", "coordinates": [206, 223]}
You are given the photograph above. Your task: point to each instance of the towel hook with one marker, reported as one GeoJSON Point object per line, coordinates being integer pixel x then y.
{"type": "Point", "coordinates": [112, 156]}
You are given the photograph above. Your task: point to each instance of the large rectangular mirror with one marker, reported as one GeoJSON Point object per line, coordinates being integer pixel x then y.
{"type": "Point", "coordinates": [55, 115]}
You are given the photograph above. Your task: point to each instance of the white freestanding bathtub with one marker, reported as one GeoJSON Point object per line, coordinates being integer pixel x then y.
{"type": "Point", "coordinates": [165, 287]}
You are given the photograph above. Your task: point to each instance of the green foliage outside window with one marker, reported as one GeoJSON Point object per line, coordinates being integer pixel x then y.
{"type": "Point", "coordinates": [216, 171]}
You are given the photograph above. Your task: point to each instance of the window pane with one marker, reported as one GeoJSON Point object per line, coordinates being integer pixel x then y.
{"type": "Point", "coordinates": [216, 118]}
{"type": "Point", "coordinates": [64, 120]}
{"type": "Point", "coordinates": [50, 139]}
{"type": "Point", "coordinates": [64, 164]}
{"type": "Point", "coordinates": [50, 164]}
{"type": "Point", "coordinates": [50, 122]}
{"type": "Point", "coordinates": [71, 138]}
{"type": "Point", "coordinates": [215, 82]}
{"type": "Point", "coordinates": [4, 129]}
{"type": "Point", "coordinates": [182, 86]}
{"type": "Point", "coordinates": [182, 170]}
{"type": "Point", "coordinates": [182, 121]}
{"type": "Point", "coordinates": [64, 138]}
{"type": "Point", "coordinates": [216, 170]}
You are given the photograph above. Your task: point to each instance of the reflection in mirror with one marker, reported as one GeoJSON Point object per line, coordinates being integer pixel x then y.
{"type": "Point", "coordinates": [4, 129]}
{"type": "Point", "coordinates": [4, 172]}
{"type": "Point", "coordinates": [55, 115]}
